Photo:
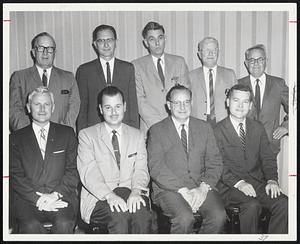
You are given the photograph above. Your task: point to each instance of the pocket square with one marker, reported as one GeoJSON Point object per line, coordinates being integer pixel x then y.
{"type": "Point", "coordinates": [64, 92]}
{"type": "Point", "coordinates": [132, 154]}
{"type": "Point", "coordinates": [61, 151]}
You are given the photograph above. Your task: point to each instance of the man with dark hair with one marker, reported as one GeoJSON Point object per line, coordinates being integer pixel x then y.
{"type": "Point", "coordinates": [106, 70]}
{"type": "Point", "coordinates": [210, 82]}
{"type": "Point", "coordinates": [185, 166]}
{"type": "Point", "coordinates": [270, 93]}
{"type": "Point", "coordinates": [112, 164]}
{"type": "Point", "coordinates": [43, 173]}
{"type": "Point", "coordinates": [155, 74]}
{"type": "Point", "coordinates": [250, 178]}
{"type": "Point", "coordinates": [60, 82]}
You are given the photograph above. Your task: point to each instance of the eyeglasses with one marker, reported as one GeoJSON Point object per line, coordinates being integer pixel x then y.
{"type": "Point", "coordinates": [185, 103]}
{"type": "Point", "coordinates": [41, 49]}
{"type": "Point", "coordinates": [258, 60]}
{"type": "Point", "coordinates": [208, 51]}
{"type": "Point", "coordinates": [103, 41]}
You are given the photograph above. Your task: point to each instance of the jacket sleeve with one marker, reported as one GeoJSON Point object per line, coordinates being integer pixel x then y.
{"type": "Point", "coordinates": [74, 104]}
{"type": "Point", "coordinates": [82, 119]}
{"type": "Point", "coordinates": [21, 184]}
{"type": "Point", "coordinates": [159, 171]}
{"type": "Point", "coordinates": [284, 95]}
{"type": "Point", "coordinates": [17, 110]}
{"type": "Point", "coordinates": [68, 183]}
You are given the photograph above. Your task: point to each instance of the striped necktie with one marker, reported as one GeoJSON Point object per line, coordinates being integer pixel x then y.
{"type": "Point", "coordinates": [44, 78]}
{"type": "Point", "coordinates": [211, 95]}
{"type": "Point", "coordinates": [242, 136]}
{"type": "Point", "coordinates": [184, 138]}
{"type": "Point", "coordinates": [257, 97]}
{"type": "Point", "coordinates": [43, 142]}
{"type": "Point", "coordinates": [160, 72]}
{"type": "Point", "coordinates": [115, 143]}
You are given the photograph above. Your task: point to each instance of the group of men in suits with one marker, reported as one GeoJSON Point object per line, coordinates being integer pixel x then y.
{"type": "Point", "coordinates": [185, 154]}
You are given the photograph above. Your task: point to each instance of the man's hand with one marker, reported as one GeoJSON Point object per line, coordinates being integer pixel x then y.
{"type": "Point", "coordinates": [134, 201]}
{"type": "Point", "coordinates": [46, 199]}
{"type": "Point", "coordinates": [274, 188]}
{"type": "Point", "coordinates": [199, 195]}
{"type": "Point", "coordinates": [280, 132]}
{"type": "Point", "coordinates": [186, 194]}
{"type": "Point", "coordinates": [54, 206]}
{"type": "Point", "coordinates": [115, 201]}
{"type": "Point", "coordinates": [247, 189]}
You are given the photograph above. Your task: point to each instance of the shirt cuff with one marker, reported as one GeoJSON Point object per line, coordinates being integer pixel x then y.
{"type": "Point", "coordinates": [272, 181]}
{"type": "Point", "coordinates": [238, 183]}
{"type": "Point", "coordinates": [183, 190]}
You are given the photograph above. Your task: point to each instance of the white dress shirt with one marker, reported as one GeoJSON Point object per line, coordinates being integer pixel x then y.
{"type": "Point", "coordinates": [262, 85]}
{"type": "Point", "coordinates": [206, 78]}
{"type": "Point", "coordinates": [111, 67]}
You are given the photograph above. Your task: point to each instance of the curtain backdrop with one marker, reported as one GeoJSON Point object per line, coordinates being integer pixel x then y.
{"type": "Point", "coordinates": [235, 30]}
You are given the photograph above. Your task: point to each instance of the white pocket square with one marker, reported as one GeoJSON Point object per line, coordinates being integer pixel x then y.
{"type": "Point", "coordinates": [59, 151]}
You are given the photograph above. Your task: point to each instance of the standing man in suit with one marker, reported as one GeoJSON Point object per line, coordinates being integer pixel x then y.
{"type": "Point", "coordinates": [43, 174]}
{"type": "Point", "coordinates": [270, 93]}
{"type": "Point", "coordinates": [104, 71]}
{"type": "Point", "coordinates": [185, 166]}
{"type": "Point", "coordinates": [209, 83]}
{"type": "Point", "coordinates": [250, 177]}
{"type": "Point", "coordinates": [112, 164]}
{"type": "Point", "coordinates": [155, 74]}
{"type": "Point", "coordinates": [60, 82]}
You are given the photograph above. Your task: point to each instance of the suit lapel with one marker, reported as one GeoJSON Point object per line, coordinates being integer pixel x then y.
{"type": "Point", "coordinates": [54, 81]}
{"type": "Point", "coordinates": [202, 84]}
{"type": "Point", "coordinates": [268, 88]}
{"type": "Point", "coordinates": [36, 76]}
{"type": "Point", "coordinates": [99, 71]}
{"type": "Point", "coordinates": [117, 73]}
{"type": "Point", "coordinates": [33, 143]}
{"type": "Point", "coordinates": [104, 136]}
{"type": "Point", "coordinates": [50, 142]}
{"type": "Point", "coordinates": [152, 69]}
{"type": "Point", "coordinates": [233, 137]}
{"type": "Point", "coordinates": [124, 143]}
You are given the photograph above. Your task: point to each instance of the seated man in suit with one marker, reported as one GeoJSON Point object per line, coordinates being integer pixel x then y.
{"type": "Point", "coordinates": [270, 93]}
{"type": "Point", "coordinates": [209, 83]}
{"type": "Point", "coordinates": [250, 177]}
{"type": "Point", "coordinates": [155, 74]}
{"type": "Point", "coordinates": [43, 174]}
{"type": "Point", "coordinates": [104, 71]}
{"type": "Point", "coordinates": [43, 73]}
{"type": "Point", "coordinates": [185, 166]}
{"type": "Point", "coordinates": [112, 164]}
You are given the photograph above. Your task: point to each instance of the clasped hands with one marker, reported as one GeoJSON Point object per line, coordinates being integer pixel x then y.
{"type": "Point", "coordinates": [133, 203]}
{"type": "Point", "coordinates": [50, 202]}
{"type": "Point", "coordinates": [196, 196]}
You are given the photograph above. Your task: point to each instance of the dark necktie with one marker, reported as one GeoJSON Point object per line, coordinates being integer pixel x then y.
{"type": "Point", "coordinates": [184, 138]}
{"type": "Point", "coordinates": [211, 95]}
{"type": "Point", "coordinates": [242, 136]}
{"type": "Point", "coordinates": [44, 78]}
{"type": "Point", "coordinates": [160, 72]}
{"type": "Point", "coordinates": [108, 75]}
{"type": "Point", "coordinates": [115, 143]}
{"type": "Point", "coordinates": [257, 97]}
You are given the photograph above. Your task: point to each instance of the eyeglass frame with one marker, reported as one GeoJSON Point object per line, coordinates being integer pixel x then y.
{"type": "Point", "coordinates": [259, 60]}
{"type": "Point", "coordinates": [207, 51]}
{"type": "Point", "coordinates": [104, 41]}
{"type": "Point", "coordinates": [44, 48]}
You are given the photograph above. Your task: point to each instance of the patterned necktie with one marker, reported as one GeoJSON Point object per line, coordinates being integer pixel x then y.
{"type": "Point", "coordinates": [184, 138]}
{"type": "Point", "coordinates": [257, 97]}
{"type": "Point", "coordinates": [242, 136]}
{"type": "Point", "coordinates": [115, 143]}
{"type": "Point", "coordinates": [160, 72]}
{"type": "Point", "coordinates": [43, 142]}
{"type": "Point", "coordinates": [108, 75]}
{"type": "Point", "coordinates": [211, 95]}
{"type": "Point", "coordinates": [44, 78]}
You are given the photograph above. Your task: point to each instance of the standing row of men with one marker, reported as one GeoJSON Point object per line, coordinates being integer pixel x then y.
{"type": "Point", "coordinates": [112, 159]}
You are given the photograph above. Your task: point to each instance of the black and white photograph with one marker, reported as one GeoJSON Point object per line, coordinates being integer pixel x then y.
{"type": "Point", "coordinates": [150, 122]}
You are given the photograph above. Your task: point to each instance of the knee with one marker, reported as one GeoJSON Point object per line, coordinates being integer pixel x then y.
{"type": "Point", "coordinates": [218, 216]}
{"type": "Point", "coordinates": [185, 220]}
{"type": "Point", "coordinates": [30, 227]}
{"type": "Point", "coordinates": [252, 206]}
{"type": "Point", "coordinates": [281, 204]}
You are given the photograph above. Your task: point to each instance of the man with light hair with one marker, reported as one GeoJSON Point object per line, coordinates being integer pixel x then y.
{"type": "Point", "coordinates": [270, 93]}
{"type": "Point", "coordinates": [209, 83]}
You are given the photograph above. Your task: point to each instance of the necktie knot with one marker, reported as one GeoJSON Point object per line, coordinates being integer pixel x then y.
{"type": "Point", "coordinates": [114, 132]}
{"type": "Point", "coordinates": [257, 81]}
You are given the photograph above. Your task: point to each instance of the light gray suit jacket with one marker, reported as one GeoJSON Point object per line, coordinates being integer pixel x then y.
{"type": "Point", "coordinates": [98, 169]}
{"type": "Point", "coordinates": [63, 86]}
{"type": "Point", "coordinates": [225, 79]}
{"type": "Point", "coordinates": [151, 94]}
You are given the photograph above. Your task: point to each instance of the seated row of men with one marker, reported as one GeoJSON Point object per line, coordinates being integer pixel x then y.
{"type": "Point", "coordinates": [193, 168]}
{"type": "Point", "coordinates": [145, 83]}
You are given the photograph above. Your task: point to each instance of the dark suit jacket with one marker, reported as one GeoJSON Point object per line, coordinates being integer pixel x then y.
{"type": "Point", "coordinates": [29, 173]}
{"type": "Point", "coordinates": [276, 93]}
{"type": "Point", "coordinates": [257, 165]}
{"type": "Point", "coordinates": [91, 81]}
{"type": "Point", "coordinates": [169, 167]}
{"type": "Point", "coordinates": [63, 86]}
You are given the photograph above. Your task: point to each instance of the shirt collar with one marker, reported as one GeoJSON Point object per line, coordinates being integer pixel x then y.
{"type": "Point", "coordinates": [40, 70]}
{"type": "Point", "coordinates": [206, 69]}
{"type": "Point", "coordinates": [262, 79]}
{"type": "Point", "coordinates": [103, 61]}
{"type": "Point", "coordinates": [162, 59]}
{"type": "Point", "coordinates": [178, 124]}
{"type": "Point", "coordinates": [109, 129]}
{"type": "Point", "coordinates": [37, 128]}
{"type": "Point", "coordinates": [236, 124]}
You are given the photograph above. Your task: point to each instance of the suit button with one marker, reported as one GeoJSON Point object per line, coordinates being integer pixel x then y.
{"type": "Point", "coordinates": [118, 184]}
{"type": "Point", "coordinates": [189, 171]}
{"type": "Point", "coordinates": [205, 101]}
{"type": "Point", "coordinates": [204, 113]}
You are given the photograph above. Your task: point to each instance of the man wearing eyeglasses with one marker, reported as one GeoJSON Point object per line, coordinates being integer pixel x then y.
{"type": "Point", "coordinates": [185, 165]}
{"type": "Point", "coordinates": [155, 74]}
{"type": "Point", "coordinates": [270, 93]}
{"type": "Point", "coordinates": [60, 82]}
{"type": "Point", "coordinates": [209, 83]}
{"type": "Point", "coordinates": [106, 70]}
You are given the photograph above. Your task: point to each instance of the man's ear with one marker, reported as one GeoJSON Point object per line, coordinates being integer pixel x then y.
{"type": "Point", "coordinates": [53, 107]}
{"type": "Point", "coordinates": [28, 108]}
{"type": "Point", "coordinates": [125, 107]}
{"type": "Point", "coordinates": [227, 102]}
{"type": "Point", "coordinates": [250, 105]}
{"type": "Point", "coordinates": [100, 108]}
{"type": "Point", "coordinates": [145, 43]}
{"type": "Point", "coordinates": [169, 105]}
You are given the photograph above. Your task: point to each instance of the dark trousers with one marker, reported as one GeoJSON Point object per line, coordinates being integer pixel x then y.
{"type": "Point", "coordinates": [250, 210]}
{"type": "Point", "coordinates": [122, 222]}
{"type": "Point", "coordinates": [30, 220]}
{"type": "Point", "coordinates": [177, 208]}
